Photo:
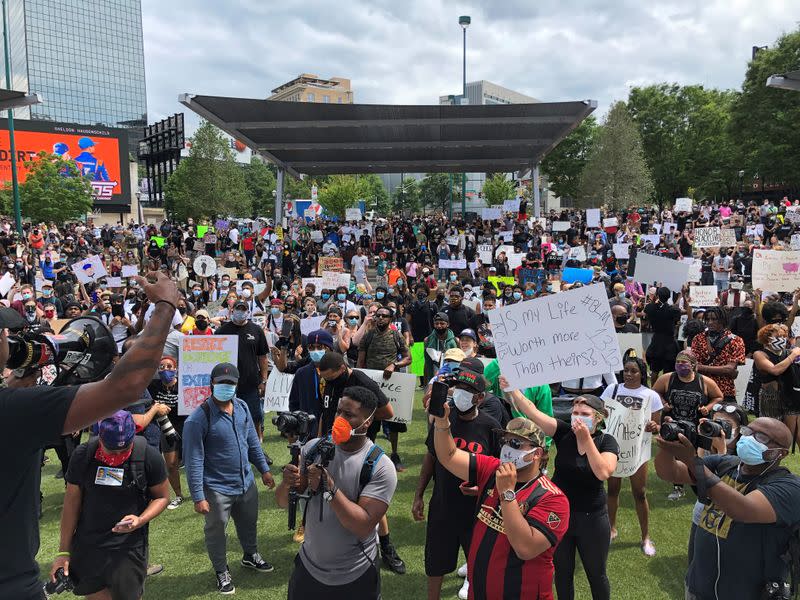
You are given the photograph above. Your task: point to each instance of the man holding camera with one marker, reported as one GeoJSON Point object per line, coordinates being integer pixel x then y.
{"type": "Point", "coordinates": [348, 497]}
{"type": "Point", "coordinates": [751, 507]}
{"type": "Point", "coordinates": [219, 443]}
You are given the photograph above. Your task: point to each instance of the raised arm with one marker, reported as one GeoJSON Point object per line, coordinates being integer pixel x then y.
{"type": "Point", "coordinates": [521, 404]}
{"type": "Point", "coordinates": [454, 460]}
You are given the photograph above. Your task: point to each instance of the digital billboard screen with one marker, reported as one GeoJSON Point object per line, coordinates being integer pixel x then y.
{"type": "Point", "coordinates": [101, 153]}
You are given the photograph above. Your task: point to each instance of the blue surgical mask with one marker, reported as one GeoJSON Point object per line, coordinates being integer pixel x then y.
{"type": "Point", "coordinates": [517, 295]}
{"type": "Point", "coordinates": [196, 292]}
{"type": "Point", "coordinates": [352, 321]}
{"type": "Point", "coordinates": [224, 391]}
{"type": "Point", "coordinates": [316, 355]}
{"type": "Point", "coordinates": [167, 376]}
{"type": "Point", "coordinates": [239, 316]}
{"type": "Point", "coordinates": [750, 450]}
{"type": "Point", "coordinates": [275, 311]}
{"type": "Point", "coordinates": [380, 295]}
{"type": "Point", "coordinates": [529, 293]}
{"type": "Point", "coordinates": [452, 277]}
{"type": "Point", "coordinates": [325, 295]}
{"type": "Point", "coordinates": [588, 421]}
{"type": "Point", "coordinates": [341, 297]}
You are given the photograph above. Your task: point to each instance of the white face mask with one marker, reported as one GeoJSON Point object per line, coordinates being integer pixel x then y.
{"type": "Point", "coordinates": [512, 455]}
{"type": "Point", "coordinates": [463, 400]}
{"type": "Point", "coordinates": [469, 353]}
{"type": "Point", "coordinates": [588, 421]}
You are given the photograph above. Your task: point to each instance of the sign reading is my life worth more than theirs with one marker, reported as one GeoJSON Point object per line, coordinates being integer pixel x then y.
{"type": "Point", "coordinates": [197, 356]}
{"type": "Point", "coordinates": [563, 336]}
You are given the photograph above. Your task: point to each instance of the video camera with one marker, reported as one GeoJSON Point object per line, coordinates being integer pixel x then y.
{"type": "Point", "coordinates": [61, 584]}
{"type": "Point", "coordinates": [297, 424]}
{"type": "Point", "coordinates": [700, 436]}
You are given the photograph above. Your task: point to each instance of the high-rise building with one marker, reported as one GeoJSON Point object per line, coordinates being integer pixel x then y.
{"type": "Point", "coordinates": [486, 92]}
{"type": "Point", "coordinates": [311, 88]}
{"type": "Point", "coordinates": [86, 59]}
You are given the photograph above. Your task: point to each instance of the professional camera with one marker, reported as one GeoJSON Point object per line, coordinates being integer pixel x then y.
{"type": "Point", "coordinates": [670, 430]}
{"type": "Point", "coordinates": [708, 430]}
{"type": "Point", "coordinates": [324, 451]}
{"type": "Point", "coordinates": [62, 584]}
{"type": "Point", "coordinates": [167, 429]}
{"type": "Point", "coordinates": [297, 423]}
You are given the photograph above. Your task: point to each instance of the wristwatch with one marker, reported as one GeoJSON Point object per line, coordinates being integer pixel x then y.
{"type": "Point", "coordinates": [509, 496]}
{"type": "Point", "coordinates": [329, 494]}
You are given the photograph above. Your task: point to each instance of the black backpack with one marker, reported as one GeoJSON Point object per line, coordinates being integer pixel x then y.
{"type": "Point", "coordinates": [207, 412]}
{"type": "Point", "coordinates": [136, 462]}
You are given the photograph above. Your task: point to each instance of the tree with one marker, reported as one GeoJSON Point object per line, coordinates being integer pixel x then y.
{"type": "Point", "coordinates": [616, 173]}
{"type": "Point", "coordinates": [405, 199]}
{"type": "Point", "coordinates": [208, 182]}
{"type": "Point", "coordinates": [433, 191]}
{"type": "Point", "coordinates": [564, 164]}
{"type": "Point", "coordinates": [341, 192]}
{"type": "Point", "coordinates": [261, 183]}
{"type": "Point", "coordinates": [54, 190]}
{"type": "Point", "coordinates": [497, 189]}
{"type": "Point", "coordinates": [375, 194]}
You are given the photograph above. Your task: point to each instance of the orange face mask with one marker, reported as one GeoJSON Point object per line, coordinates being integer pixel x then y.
{"type": "Point", "coordinates": [342, 432]}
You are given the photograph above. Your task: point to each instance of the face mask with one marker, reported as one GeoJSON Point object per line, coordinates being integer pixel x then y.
{"type": "Point", "coordinates": [463, 400]}
{"type": "Point", "coordinates": [452, 277]}
{"type": "Point", "coordinates": [750, 450]}
{"type": "Point", "coordinates": [422, 296]}
{"type": "Point", "coordinates": [379, 295]}
{"type": "Point", "coordinates": [777, 345]}
{"type": "Point", "coordinates": [469, 353]}
{"type": "Point", "coordinates": [167, 376]}
{"type": "Point", "coordinates": [224, 391]}
{"type": "Point", "coordinates": [391, 290]}
{"type": "Point", "coordinates": [737, 285]}
{"type": "Point", "coordinates": [514, 456]}
{"type": "Point", "coordinates": [325, 295]}
{"type": "Point", "coordinates": [620, 294]}
{"type": "Point", "coordinates": [341, 431]}
{"type": "Point", "coordinates": [621, 320]}
{"type": "Point", "coordinates": [246, 293]}
{"type": "Point", "coordinates": [683, 369]}
{"type": "Point", "coordinates": [529, 293]}
{"type": "Point", "coordinates": [225, 283]}
{"type": "Point", "coordinates": [26, 296]}
{"type": "Point", "coordinates": [239, 316]}
{"type": "Point", "coordinates": [353, 321]}
{"type": "Point", "coordinates": [316, 355]}
{"type": "Point", "coordinates": [196, 293]}
{"type": "Point", "coordinates": [588, 421]}
{"type": "Point", "coordinates": [341, 297]}
{"type": "Point", "coordinates": [517, 295]}
{"type": "Point", "coordinates": [275, 311]}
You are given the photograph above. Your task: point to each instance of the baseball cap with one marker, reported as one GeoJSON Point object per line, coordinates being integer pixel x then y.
{"type": "Point", "coordinates": [440, 316]}
{"type": "Point", "coordinates": [276, 302]}
{"type": "Point", "coordinates": [592, 401]}
{"type": "Point", "coordinates": [202, 313]}
{"type": "Point", "coordinates": [225, 372]}
{"type": "Point", "coordinates": [117, 431]}
{"type": "Point", "coordinates": [468, 333]}
{"type": "Point", "coordinates": [240, 304]}
{"type": "Point", "coordinates": [469, 378]}
{"type": "Point", "coordinates": [525, 428]}
{"type": "Point", "coordinates": [454, 355]}
{"type": "Point", "coordinates": [320, 336]}
{"type": "Point", "coordinates": [473, 364]}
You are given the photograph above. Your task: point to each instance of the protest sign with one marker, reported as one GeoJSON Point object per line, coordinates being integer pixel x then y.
{"type": "Point", "coordinates": [197, 356]}
{"type": "Point", "coordinates": [537, 222]}
{"type": "Point", "coordinates": [795, 242]}
{"type": "Point", "coordinates": [202, 230]}
{"type": "Point", "coordinates": [695, 266]}
{"type": "Point", "coordinates": [668, 228]}
{"type": "Point", "coordinates": [221, 224]}
{"type": "Point", "coordinates": [504, 248]}
{"type": "Point", "coordinates": [742, 377]}
{"type": "Point", "coordinates": [593, 217]}
{"type": "Point", "coordinates": [276, 396]}
{"type": "Point", "coordinates": [316, 236]}
{"type": "Point", "coordinates": [198, 246]}
{"type": "Point", "coordinates": [417, 359]}
{"type": "Point", "coordinates": [493, 213]}
{"type": "Point", "coordinates": [563, 336]}
{"type": "Point", "coordinates": [495, 281]}
{"type": "Point", "coordinates": [210, 238]}
{"type": "Point", "coordinates": [40, 283]}
{"type": "Point", "coordinates": [511, 205]}
{"type": "Point", "coordinates": [130, 270]}
{"type": "Point", "coordinates": [231, 272]}
{"type": "Point", "coordinates": [727, 238]}
{"type": "Point", "coordinates": [792, 216]}
{"type": "Point", "coordinates": [755, 230]}
{"type": "Point", "coordinates": [683, 205]}
{"type": "Point", "coordinates": [329, 263]}
{"type": "Point", "coordinates": [561, 225]}
{"type": "Point", "coordinates": [6, 283]}
{"type": "Point", "coordinates": [702, 295]}
{"type": "Point", "coordinates": [485, 253]}
{"type": "Point", "coordinates": [612, 222]}
{"type": "Point", "coordinates": [460, 263]}
{"type": "Point", "coordinates": [310, 324]}
{"type": "Point", "coordinates": [628, 341]}
{"type": "Point", "coordinates": [399, 388]}
{"type": "Point", "coordinates": [515, 259]}
{"type": "Point", "coordinates": [621, 250]}
{"type": "Point", "coordinates": [352, 214]}
{"type": "Point", "coordinates": [451, 240]}
{"type": "Point", "coordinates": [707, 237]}
{"type": "Point", "coordinates": [506, 236]}
{"type": "Point", "coordinates": [776, 271]}
{"type": "Point", "coordinates": [652, 239]}
{"type": "Point", "coordinates": [315, 281]}
{"type": "Point", "coordinates": [577, 253]}
{"type": "Point", "coordinates": [655, 269]}
{"type": "Point", "coordinates": [114, 282]}
{"type": "Point", "coordinates": [333, 279]}
{"type": "Point", "coordinates": [527, 275]}
{"type": "Point", "coordinates": [626, 421]}
{"type": "Point", "coordinates": [89, 269]}
{"type": "Point", "coordinates": [574, 275]}
{"type": "Point", "coordinates": [205, 266]}
{"type": "Point", "coordinates": [158, 240]}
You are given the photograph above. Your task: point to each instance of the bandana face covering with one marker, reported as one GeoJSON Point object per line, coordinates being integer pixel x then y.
{"type": "Point", "coordinates": [112, 459]}
{"type": "Point", "coordinates": [341, 433]}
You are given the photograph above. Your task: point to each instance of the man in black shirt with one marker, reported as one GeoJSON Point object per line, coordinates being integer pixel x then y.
{"type": "Point", "coordinates": [252, 361]}
{"type": "Point", "coordinates": [461, 316]}
{"type": "Point", "coordinates": [420, 313]}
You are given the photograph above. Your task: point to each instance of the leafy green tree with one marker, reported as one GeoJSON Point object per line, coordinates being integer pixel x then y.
{"type": "Point", "coordinates": [208, 182]}
{"type": "Point", "coordinates": [433, 191]}
{"type": "Point", "coordinates": [54, 191]}
{"type": "Point", "coordinates": [261, 183]}
{"type": "Point", "coordinates": [616, 173]}
{"type": "Point", "coordinates": [375, 194]}
{"type": "Point", "coordinates": [405, 199]}
{"type": "Point", "coordinates": [341, 192]}
{"type": "Point", "coordinates": [498, 188]}
{"type": "Point", "coordinates": [564, 164]}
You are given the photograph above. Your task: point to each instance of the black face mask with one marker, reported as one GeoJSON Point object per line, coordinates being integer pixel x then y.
{"type": "Point", "coordinates": [621, 320]}
{"type": "Point", "coordinates": [747, 311]}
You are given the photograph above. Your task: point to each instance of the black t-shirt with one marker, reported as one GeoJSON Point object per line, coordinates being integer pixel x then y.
{"type": "Point", "coordinates": [252, 344]}
{"type": "Point", "coordinates": [477, 436]}
{"type": "Point", "coordinates": [36, 416]}
{"type": "Point", "coordinates": [333, 391]}
{"type": "Point", "coordinates": [573, 474]}
{"type": "Point", "coordinates": [107, 495]}
{"type": "Point", "coordinates": [662, 317]}
{"type": "Point", "coordinates": [460, 318]}
{"type": "Point", "coordinates": [164, 395]}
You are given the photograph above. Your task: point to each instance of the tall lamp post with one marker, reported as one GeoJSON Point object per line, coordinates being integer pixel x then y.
{"type": "Point", "coordinates": [741, 184]}
{"type": "Point", "coordinates": [12, 146]}
{"type": "Point", "coordinates": [464, 21]}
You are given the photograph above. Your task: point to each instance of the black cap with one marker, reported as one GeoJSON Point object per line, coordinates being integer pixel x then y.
{"type": "Point", "coordinates": [240, 304]}
{"type": "Point", "coordinates": [440, 316]}
{"type": "Point", "coordinates": [225, 372]}
{"type": "Point", "coordinates": [472, 364]}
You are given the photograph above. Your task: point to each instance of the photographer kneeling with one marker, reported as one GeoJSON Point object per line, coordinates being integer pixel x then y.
{"type": "Point", "coordinates": [752, 505]}
{"type": "Point", "coordinates": [348, 497]}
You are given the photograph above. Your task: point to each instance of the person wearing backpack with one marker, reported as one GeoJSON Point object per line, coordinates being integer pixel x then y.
{"type": "Point", "coordinates": [338, 557]}
{"type": "Point", "coordinates": [746, 539]}
{"type": "Point", "coordinates": [116, 484]}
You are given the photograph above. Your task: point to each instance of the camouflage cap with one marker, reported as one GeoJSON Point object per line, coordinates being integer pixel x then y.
{"type": "Point", "coordinates": [525, 428]}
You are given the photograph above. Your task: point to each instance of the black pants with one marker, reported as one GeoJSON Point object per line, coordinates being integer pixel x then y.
{"type": "Point", "coordinates": [302, 586]}
{"type": "Point", "coordinates": [64, 449]}
{"type": "Point", "coordinates": [590, 535]}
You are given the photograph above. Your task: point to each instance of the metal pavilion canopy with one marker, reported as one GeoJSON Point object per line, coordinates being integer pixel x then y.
{"type": "Point", "coordinates": [785, 81]}
{"type": "Point", "coordinates": [317, 139]}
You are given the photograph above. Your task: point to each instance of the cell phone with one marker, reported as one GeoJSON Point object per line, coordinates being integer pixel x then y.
{"type": "Point", "coordinates": [438, 398]}
{"type": "Point", "coordinates": [123, 522]}
{"type": "Point", "coordinates": [286, 328]}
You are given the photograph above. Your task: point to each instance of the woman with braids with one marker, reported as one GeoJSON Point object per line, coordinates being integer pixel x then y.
{"type": "Point", "coordinates": [634, 415]}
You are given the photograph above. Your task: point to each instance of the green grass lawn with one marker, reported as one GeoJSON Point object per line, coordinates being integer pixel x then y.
{"type": "Point", "coordinates": [176, 541]}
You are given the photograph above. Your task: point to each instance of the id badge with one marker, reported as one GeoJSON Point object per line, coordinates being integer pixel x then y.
{"type": "Point", "coordinates": [109, 476]}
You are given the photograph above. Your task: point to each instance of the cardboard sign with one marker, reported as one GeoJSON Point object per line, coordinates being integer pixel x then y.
{"type": "Point", "coordinates": [89, 269]}
{"type": "Point", "coordinates": [276, 395]}
{"type": "Point", "coordinates": [593, 217]}
{"type": "Point", "coordinates": [707, 237]}
{"type": "Point", "coordinates": [727, 238]}
{"type": "Point", "coordinates": [656, 269]}
{"type": "Point", "coordinates": [461, 263]}
{"type": "Point", "coordinates": [205, 266]}
{"type": "Point", "coordinates": [130, 270]}
{"type": "Point", "coordinates": [628, 415]}
{"type": "Point", "coordinates": [776, 271]}
{"type": "Point", "coordinates": [511, 205]}
{"type": "Point", "coordinates": [621, 250]}
{"type": "Point", "coordinates": [399, 388]}
{"type": "Point", "coordinates": [352, 214]}
{"type": "Point", "coordinates": [563, 336]}
{"type": "Point", "coordinates": [485, 253]}
{"type": "Point", "coordinates": [561, 225]}
{"type": "Point", "coordinates": [329, 263]}
{"type": "Point", "coordinates": [702, 295]}
{"type": "Point", "coordinates": [332, 280]}
{"type": "Point", "coordinates": [612, 222]}
{"type": "Point", "coordinates": [491, 214]}
{"type": "Point", "coordinates": [197, 356]}
{"type": "Point", "coordinates": [683, 205]}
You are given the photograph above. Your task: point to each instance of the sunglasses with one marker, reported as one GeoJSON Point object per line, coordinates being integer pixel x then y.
{"type": "Point", "coordinates": [728, 408]}
{"type": "Point", "coordinates": [515, 443]}
{"type": "Point", "coordinates": [760, 437]}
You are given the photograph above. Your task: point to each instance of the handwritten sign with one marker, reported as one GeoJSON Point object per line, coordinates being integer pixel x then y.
{"type": "Point", "coordinates": [399, 388]}
{"type": "Point", "coordinates": [89, 269]}
{"type": "Point", "coordinates": [707, 237]}
{"type": "Point", "coordinates": [611, 222]}
{"type": "Point", "coordinates": [276, 395]}
{"type": "Point", "coordinates": [332, 280]}
{"type": "Point", "coordinates": [727, 238]}
{"type": "Point", "coordinates": [315, 281]}
{"type": "Point", "coordinates": [460, 263]}
{"type": "Point", "coordinates": [316, 235]}
{"type": "Point", "coordinates": [329, 263]}
{"type": "Point", "coordinates": [6, 283]}
{"type": "Point", "coordinates": [496, 281]}
{"type": "Point", "coordinates": [631, 341]}
{"type": "Point", "coordinates": [593, 217]}
{"type": "Point", "coordinates": [130, 270]}
{"type": "Point", "coordinates": [683, 205]}
{"type": "Point", "coordinates": [515, 259]}
{"type": "Point", "coordinates": [702, 295]}
{"type": "Point", "coordinates": [776, 271]}
{"type": "Point", "coordinates": [621, 250]}
{"type": "Point", "coordinates": [795, 242]}
{"type": "Point", "coordinates": [694, 273]}
{"type": "Point", "coordinates": [485, 253]}
{"type": "Point", "coordinates": [564, 336]}
{"type": "Point", "coordinates": [197, 356]}
{"type": "Point", "coordinates": [655, 269]}
{"type": "Point", "coordinates": [511, 205]}
{"type": "Point", "coordinates": [577, 253]}
{"type": "Point", "coordinates": [755, 230]}
{"type": "Point", "coordinates": [114, 282]}
{"type": "Point", "coordinates": [651, 239]}
{"type": "Point", "coordinates": [310, 324]}
{"type": "Point", "coordinates": [352, 214]}
{"type": "Point", "coordinates": [561, 225]}
{"type": "Point", "coordinates": [491, 214]}
{"type": "Point", "coordinates": [628, 416]}
{"type": "Point", "coordinates": [792, 216]}
{"type": "Point", "coordinates": [451, 240]}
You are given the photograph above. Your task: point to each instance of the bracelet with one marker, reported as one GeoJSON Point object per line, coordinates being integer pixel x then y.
{"type": "Point", "coordinates": [442, 428]}
{"type": "Point", "coordinates": [58, 554]}
{"type": "Point", "coordinates": [157, 302]}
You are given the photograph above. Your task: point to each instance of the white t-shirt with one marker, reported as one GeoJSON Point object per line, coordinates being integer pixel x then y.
{"type": "Point", "coordinates": [360, 263]}
{"type": "Point", "coordinates": [629, 412]}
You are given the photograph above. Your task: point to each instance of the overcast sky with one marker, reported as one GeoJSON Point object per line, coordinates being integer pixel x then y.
{"type": "Point", "coordinates": [409, 51]}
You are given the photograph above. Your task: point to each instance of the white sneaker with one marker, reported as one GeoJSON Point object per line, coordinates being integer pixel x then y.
{"type": "Point", "coordinates": [463, 593]}
{"type": "Point", "coordinates": [462, 570]}
{"type": "Point", "coordinates": [175, 503]}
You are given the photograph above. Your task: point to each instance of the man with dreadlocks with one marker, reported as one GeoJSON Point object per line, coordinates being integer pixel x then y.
{"type": "Point", "coordinates": [719, 352]}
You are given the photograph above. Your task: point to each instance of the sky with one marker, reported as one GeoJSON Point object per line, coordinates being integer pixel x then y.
{"type": "Point", "coordinates": [410, 51]}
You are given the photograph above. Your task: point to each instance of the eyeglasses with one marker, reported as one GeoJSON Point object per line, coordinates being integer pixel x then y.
{"type": "Point", "coordinates": [728, 408]}
{"type": "Point", "coordinates": [515, 443]}
{"type": "Point", "coordinates": [760, 437]}
{"type": "Point", "coordinates": [382, 316]}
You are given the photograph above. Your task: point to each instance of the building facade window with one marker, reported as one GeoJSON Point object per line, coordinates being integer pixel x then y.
{"type": "Point", "coordinates": [310, 97]}
{"type": "Point", "coordinates": [326, 99]}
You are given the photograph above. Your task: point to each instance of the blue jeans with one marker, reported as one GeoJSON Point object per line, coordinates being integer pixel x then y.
{"type": "Point", "coordinates": [254, 402]}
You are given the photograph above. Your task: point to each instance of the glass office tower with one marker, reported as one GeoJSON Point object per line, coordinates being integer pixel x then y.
{"type": "Point", "coordinates": [86, 59]}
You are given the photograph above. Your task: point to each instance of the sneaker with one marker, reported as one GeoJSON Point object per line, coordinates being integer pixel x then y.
{"type": "Point", "coordinates": [225, 583]}
{"type": "Point", "coordinates": [153, 570]}
{"type": "Point", "coordinates": [256, 562]}
{"type": "Point", "coordinates": [463, 593]}
{"type": "Point", "coordinates": [175, 503]}
{"type": "Point", "coordinates": [613, 534]}
{"type": "Point", "coordinates": [676, 494]}
{"type": "Point", "coordinates": [648, 548]}
{"type": "Point", "coordinates": [299, 535]}
{"type": "Point", "coordinates": [398, 464]}
{"type": "Point", "coordinates": [462, 570]}
{"type": "Point", "coordinates": [392, 560]}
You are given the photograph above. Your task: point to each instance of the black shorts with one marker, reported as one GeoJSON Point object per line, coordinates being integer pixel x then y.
{"type": "Point", "coordinates": [121, 571]}
{"type": "Point", "coordinates": [302, 586]}
{"type": "Point", "coordinates": [443, 539]}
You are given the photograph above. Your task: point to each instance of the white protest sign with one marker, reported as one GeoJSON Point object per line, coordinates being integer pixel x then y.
{"type": "Point", "coordinates": [628, 416]}
{"type": "Point", "coordinates": [577, 253]}
{"type": "Point", "coordinates": [491, 214]}
{"type": "Point", "coordinates": [795, 242]}
{"type": "Point", "coordinates": [655, 269]}
{"type": "Point", "coordinates": [755, 230]}
{"type": "Point", "coordinates": [451, 240]}
{"type": "Point", "coordinates": [702, 295]}
{"type": "Point", "coordinates": [707, 237]}
{"type": "Point", "coordinates": [742, 377]}
{"type": "Point", "coordinates": [776, 271]}
{"type": "Point", "coordinates": [197, 356]}
{"type": "Point", "coordinates": [694, 273]}
{"type": "Point", "coordinates": [504, 248]}
{"type": "Point", "coordinates": [316, 282]}
{"type": "Point", "coordinates": [90, 269]}
{"type": "Point", "coordinates": [683, 205]}
{"type": "Point", "coordinates": [631, 340]}
{"type": "Point", "coordinates": [485, 253]}
{"type": "Point", "coordinates": [399, 388]}
{"type": "Point", "coordinates": [612, 222]}
{"type": "Point", "coordinates": [198, 246]}
{"type": "Point", "coordinates": [593, 217]}
{"type": "Point", "coordinates": [561, 225]}
{"type": "Point", "coordinates": [310, 324]}
{"type": "Point", "coordinates": [515, 259]}
{"type": "Point", "coordinates": [6, 283]}
{"type": "Point", "coordinates": [114, 282]}
{"type": "Point", "coordinates": [40, 283]}
{"type": "Point", "coordinates": [352, 214]}
{"type": "Point", "coordinates": [511, 205]}
{"type": "Point", "coordinates": [276, 396]}
{"type": "Point", "coordinates": [130, 270]}
{"type": "Point", "coordinates": [621, 250]}
{"type": "Point", "coordinates": [667, 228]}
{"type": "Point", "coordinates": [205, 266]}
{"type": "Point", "coordinates": [333, 279]}
{"type": "Point", "coordinates": [563, 336]}
{"type": "Point", "coordinates": [316, 235]}
{"type": "Point", "coordinates": [792, 216]}
{"type": "Point", "coordinates": [506, 235]}
{"type": "Point", "coordinates": [727, 238]}
{"type": "Point", "coordinates": [460, 263]}
{"type": "Point", "coordinates": [651, 238]}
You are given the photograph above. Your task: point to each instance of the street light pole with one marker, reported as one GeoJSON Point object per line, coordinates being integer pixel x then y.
{"type": "Point", "coordinates": [741, 184]}
{"type": "Point", "coordinates": [464, 21]}
{"type": "Point", "coordinates": [12, 145]}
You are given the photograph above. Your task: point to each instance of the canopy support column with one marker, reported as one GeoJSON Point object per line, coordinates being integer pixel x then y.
{"type": "Point", "coordinates": [537, 200]}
